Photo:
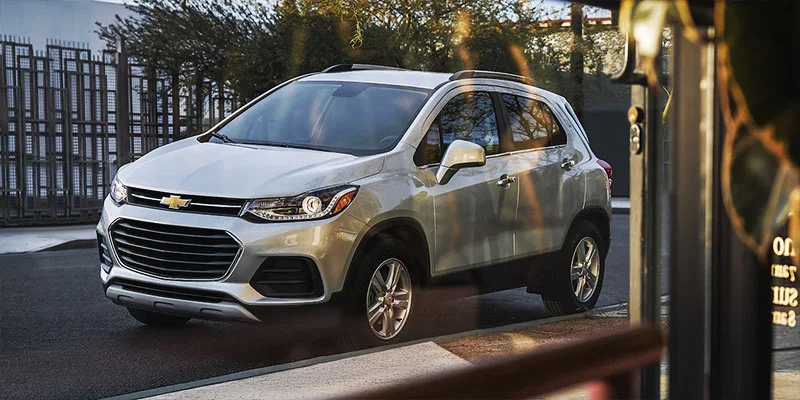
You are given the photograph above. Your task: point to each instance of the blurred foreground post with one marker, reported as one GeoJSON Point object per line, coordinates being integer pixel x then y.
{"type": "Point", "coordinates": [720, 329]}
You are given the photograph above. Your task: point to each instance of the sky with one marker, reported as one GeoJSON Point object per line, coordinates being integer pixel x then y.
{"type": "Point", "coordinates": [67, 20]}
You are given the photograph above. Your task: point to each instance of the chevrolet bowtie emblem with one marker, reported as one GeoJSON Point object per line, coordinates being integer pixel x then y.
{"type": "Point", "coordinates": [175, 202]}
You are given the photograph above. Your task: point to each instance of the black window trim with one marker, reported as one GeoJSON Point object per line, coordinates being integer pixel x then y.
{"type": "Point", "coordinates": [503, 125]}
{"type": "Point", "coordinates": [423, 143]}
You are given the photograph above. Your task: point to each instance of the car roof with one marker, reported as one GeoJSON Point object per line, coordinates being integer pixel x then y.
{"type": "Point", "coordinates": [419, 79]}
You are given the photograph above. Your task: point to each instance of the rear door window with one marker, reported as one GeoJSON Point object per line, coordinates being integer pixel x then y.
{"type": "Point", "coordinates": [532, 123]}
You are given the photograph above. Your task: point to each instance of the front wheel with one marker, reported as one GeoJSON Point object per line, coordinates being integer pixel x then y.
{"type": "Point", "coordinates": [382, 301]}
{"type": "Point", "coordinates": [578, 277]}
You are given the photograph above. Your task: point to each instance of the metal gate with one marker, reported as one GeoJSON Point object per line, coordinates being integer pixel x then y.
{"type": "Point", "coordinates": [58, 128]}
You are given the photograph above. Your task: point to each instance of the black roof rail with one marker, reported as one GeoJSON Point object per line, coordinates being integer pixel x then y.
{"type": "Point", "coordinates": [472, 73]}
{"type": "Point", "coordinates": [358, 67]}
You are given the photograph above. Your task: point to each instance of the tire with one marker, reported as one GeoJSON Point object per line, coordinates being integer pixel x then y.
{"type": "Point", "coordinates": [560, 295]}
{"type": "Point", "coordinates": [156, 319]}
{"type": "Point", "coordinates": [388, 254]}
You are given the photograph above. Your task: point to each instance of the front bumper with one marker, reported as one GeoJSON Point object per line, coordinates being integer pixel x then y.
{"type": "Point", "coordinates": [228, 311]}
{"type": "Point", "coordinates": [329, 243]}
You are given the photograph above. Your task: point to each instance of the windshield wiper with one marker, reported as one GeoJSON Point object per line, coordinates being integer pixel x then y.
{"type": "Point", "coordinates": [291, 146]}
{"type": "Point", "coordinates": [223, 137]}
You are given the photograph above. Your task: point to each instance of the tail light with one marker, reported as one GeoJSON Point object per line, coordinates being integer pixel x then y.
{"type": "Point", "coordinates": [607, 167]}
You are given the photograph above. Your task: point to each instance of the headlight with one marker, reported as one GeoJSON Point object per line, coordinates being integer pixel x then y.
{"type": "Point", "coordinates": [119, 193]}
{"type": "Point", "coordinates": [318, 204]}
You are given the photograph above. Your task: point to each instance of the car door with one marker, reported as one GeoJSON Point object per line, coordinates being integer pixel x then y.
{"type": "Point", "coordinates": [474, 212]}
{"type": "Point", "coordinates": [544, 164]}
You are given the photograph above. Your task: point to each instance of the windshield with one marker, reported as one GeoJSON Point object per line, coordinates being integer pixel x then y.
{"type": "Point", "coordinates": [347, 117]}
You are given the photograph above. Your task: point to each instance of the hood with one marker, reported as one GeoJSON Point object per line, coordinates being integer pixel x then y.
{"type": "Point", "coordinates": [243, 171]}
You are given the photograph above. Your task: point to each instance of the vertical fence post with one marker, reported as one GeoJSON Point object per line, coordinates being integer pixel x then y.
{"type": "Point", "coordinates": [124, 154]}
{"type": "Point", "coordinates": [176, 104]}
{"type": "Point", "coordinates": [221, 95]}
{"type": "Point", "coordinates": [5, 157]}
{"type": "Point", "coordinates": [150, 110]}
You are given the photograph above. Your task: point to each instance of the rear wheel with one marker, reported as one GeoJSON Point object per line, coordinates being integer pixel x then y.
{"type": "Point", "coordinates": [156, 319]}
{"type": "Point", "coordinates": [578, 277]}
{"type": "Point", "coordinates": [383, 299]}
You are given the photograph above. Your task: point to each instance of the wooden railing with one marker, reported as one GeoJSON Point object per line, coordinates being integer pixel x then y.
{"type": "Point", "coordinates": [611, 362]}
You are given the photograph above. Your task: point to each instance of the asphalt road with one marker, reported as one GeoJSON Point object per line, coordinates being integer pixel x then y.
{"type": "Point", "coordinates": [61, 338]}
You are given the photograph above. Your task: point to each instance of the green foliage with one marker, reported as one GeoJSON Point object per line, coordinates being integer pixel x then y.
{"type": "Point", "coordinates": [250, 46]}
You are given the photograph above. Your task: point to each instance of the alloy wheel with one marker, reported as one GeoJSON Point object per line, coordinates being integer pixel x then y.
{"type": "Point", "coordinates": [389, 299]}
{"type": "Point", "coordinates": [585, 269]}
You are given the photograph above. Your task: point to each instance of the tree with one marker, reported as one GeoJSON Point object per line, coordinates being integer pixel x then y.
{"type": "Point", "coordinates": [154, 38]}
{"type": "Point", "coordinates": [244, 47]}
{"type": "Point", "coordinates": [192, 40]}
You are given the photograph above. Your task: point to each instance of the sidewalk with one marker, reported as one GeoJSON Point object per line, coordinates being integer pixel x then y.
{"type": "Point", "coordinates": [24, 240]}
{"type": "Point", "coordinates": [620, 205]}
{"type": "Point", "coordinates": [371, 369]}
{"type": "Point", "coordinates": [366, 372]}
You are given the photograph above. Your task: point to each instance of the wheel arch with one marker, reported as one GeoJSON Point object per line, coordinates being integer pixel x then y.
{"type": "Point", "coordinates": [405, 229]}
{"type": "Point", "coordinates": [600, 218]}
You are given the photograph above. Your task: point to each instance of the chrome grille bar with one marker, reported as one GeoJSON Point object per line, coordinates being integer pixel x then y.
{"type": "Point", "coordinates": [174, 252]}
{"type": "Point", "coordinates": [198, 204]}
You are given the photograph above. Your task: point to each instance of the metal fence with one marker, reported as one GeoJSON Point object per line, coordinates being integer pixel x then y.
{"type": "Point", "coordinates": [63, 133]}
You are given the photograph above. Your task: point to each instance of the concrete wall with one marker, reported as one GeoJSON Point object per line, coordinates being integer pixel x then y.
{"type": "Point", "coordinates": [608, 136]}
{"type": "Point", "coordinates": [605, 120]}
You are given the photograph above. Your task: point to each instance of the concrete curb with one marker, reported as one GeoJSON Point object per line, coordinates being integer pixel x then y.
{"type": "Point", "coordinates": [336, 379]}
{"type": "Point", "coordinates": [620, 205]}
{"type": "Point", "coordinates": [20, 240]}
{"type": "Point", "coordinates": [68, 245]}
{"type": "Point", "coordinates": [335, 357]}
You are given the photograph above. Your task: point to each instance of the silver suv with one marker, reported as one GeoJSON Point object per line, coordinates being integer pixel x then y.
{"type": "Point", "coordinates": [359, 187]}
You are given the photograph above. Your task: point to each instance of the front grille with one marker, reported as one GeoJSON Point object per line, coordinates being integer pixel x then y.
{"type": "Point", "coordinates": [173, 251]}
{"type": "Point", "coordinates": [196, 204]}
{"type": "Point", "coordinates": [206, 296]}
{"type": "Point", "coordinates": [287, 277]}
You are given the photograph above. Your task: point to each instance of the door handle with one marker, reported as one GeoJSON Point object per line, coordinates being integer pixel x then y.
{"type": "Point", "coordinates": [567, 163]}
{"type": "Point", "coordinates": [505, 181]}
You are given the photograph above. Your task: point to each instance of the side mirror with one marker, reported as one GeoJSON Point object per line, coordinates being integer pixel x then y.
{"type": "Point", "coordinates": [459, 154]}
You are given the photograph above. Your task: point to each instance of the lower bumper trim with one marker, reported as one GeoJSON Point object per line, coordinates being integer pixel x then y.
{"type": "Point", "coordinates": [222, 311]}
